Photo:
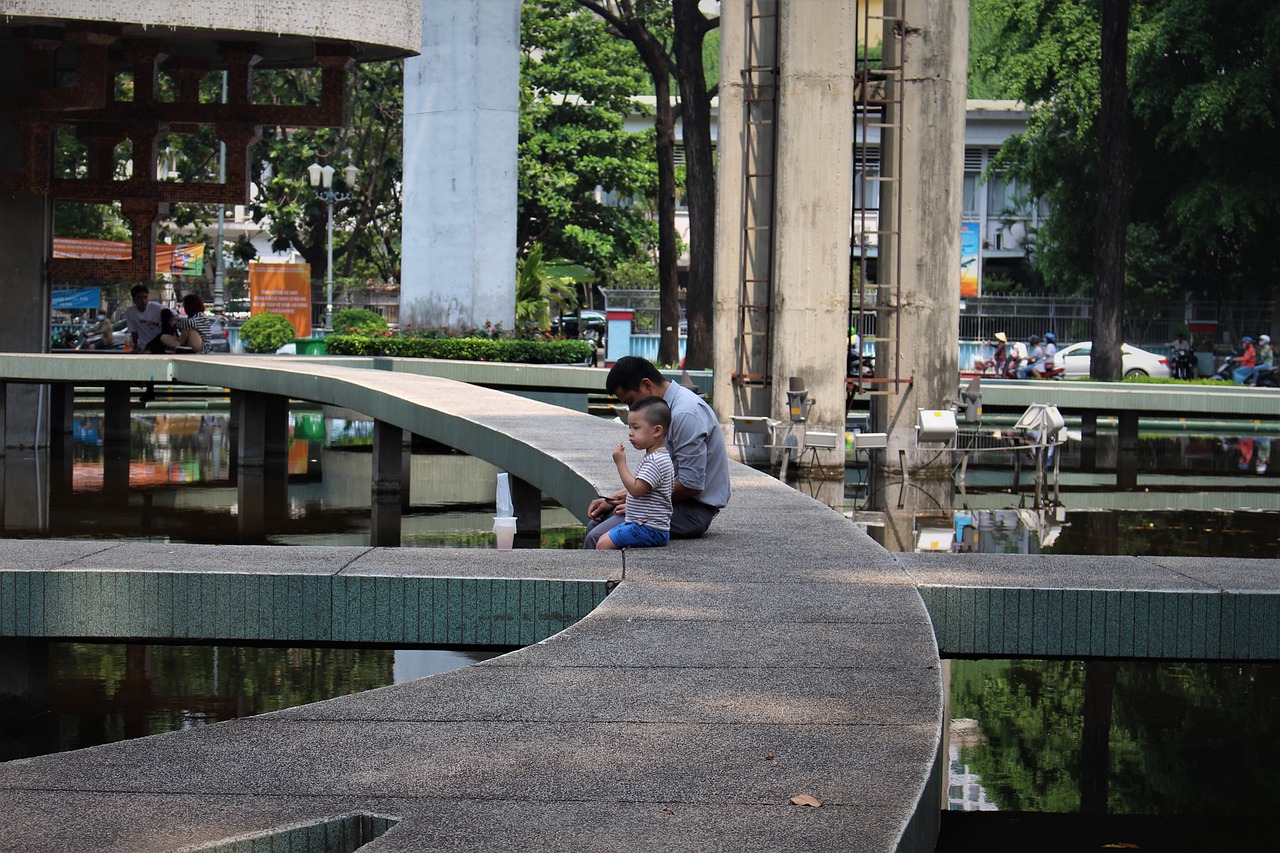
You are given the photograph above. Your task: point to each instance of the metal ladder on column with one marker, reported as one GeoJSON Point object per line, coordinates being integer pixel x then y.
{"type": "Point", "coordinates": [873, 306]}
{"type": "Point", "coordinates": [760, 110]}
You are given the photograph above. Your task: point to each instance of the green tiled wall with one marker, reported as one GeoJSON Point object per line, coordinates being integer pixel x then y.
{"type": "Point", "coordinates": [294, 608]}
{"type": "Point", "coordinates": [344, 834]}
{"type": "Point", "coordinates": [1083, 623]}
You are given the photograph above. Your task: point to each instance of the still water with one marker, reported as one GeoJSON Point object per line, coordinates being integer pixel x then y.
{"type": "Point", "coordinates": [104, 692]}
{"type": "Point", "coordinates": [180, 485]}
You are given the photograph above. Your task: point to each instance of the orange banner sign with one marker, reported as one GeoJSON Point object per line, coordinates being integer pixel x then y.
{"type": "Point", "coordinates": [282, 289]}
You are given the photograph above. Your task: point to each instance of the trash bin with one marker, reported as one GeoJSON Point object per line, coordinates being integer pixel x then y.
{"type": "Point", "coordinates": [309, 346]}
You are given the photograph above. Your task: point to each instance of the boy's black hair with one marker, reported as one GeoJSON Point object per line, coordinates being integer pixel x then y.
{"type": "Point", "coordinates": [628, 371]}
{"type": "Point", "coordinates": [654, 410]}
{"type": "Point", "coordinates": [139, 288]}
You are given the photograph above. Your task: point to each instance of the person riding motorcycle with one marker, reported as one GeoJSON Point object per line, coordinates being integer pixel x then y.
{"type": "Point", "coordinates": [1050, 350]}
{"type": "Point", "coordinates": [1182, 361]}
{"type": "Point", "coordinates": [1035, 361]}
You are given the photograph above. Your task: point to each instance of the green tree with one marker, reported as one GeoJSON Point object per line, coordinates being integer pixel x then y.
{"type": "Point", "coordinates": [577, 86]}
{"type": "Point", "coordinates": [539, 294]}
{"type": "Point", "coordinates": [1204, 94]}
{"type": "Point", "coordinates": [670, 36]}
{"type": "Point", "coordinates": [366, 229]}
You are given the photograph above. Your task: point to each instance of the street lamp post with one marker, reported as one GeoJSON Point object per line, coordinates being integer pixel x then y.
{"type": "Point", "coordinates": [321, 178]}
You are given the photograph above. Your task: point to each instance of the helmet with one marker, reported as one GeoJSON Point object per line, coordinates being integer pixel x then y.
{"type": "Point", "coordinates": [1033, 339]}
{"type": "Point", "coordinates": [1048, 336]}
{"type": "Point", "coordinates": [1000, 336]}
{"type": "Point", "coordinates": [1266, 339]}
{"type": "Point", "coordinates": [1246, 340]}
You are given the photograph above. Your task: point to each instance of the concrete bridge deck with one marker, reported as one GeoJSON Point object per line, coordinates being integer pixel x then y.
{"type": "Point", "coordinates": [720, 678]}
{"type": "Point", "coordinates": [784, 654]}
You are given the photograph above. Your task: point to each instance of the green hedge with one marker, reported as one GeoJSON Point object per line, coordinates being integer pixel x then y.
{"type": "Point", "coordinates": [462, 349]}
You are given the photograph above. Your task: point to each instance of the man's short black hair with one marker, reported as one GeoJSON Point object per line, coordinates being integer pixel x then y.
{"type": "Point", "coordinates": [654, 410]}
{"type": "Point", "coordinates": [139, 288]}
{"type": "Point", "coordinates": [628, 371]}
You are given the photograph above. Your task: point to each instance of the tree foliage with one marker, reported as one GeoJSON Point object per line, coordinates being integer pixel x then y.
{"type": "Point", "coordinates": [577, 86]}
{"type": "Point", "coordinates": [670, 37]}
{"type": "Point", "coordinates": [366, 230]}
{"type": "Point", "coordinates": [1204, 93]}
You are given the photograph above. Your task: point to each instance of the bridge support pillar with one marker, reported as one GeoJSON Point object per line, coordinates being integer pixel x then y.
{"type": "Point", "coordinates": [62, 405]}
{"type": "Point", "coordinates": [115, 419]}
{"type": "Point", "coordinates": [262, 428]}
{"type": "Point", "coordinates": [1127, 457]}
{"type": "Point", "coordinates": [526, 499]}
{"type": "Point", "coordinates": [1089, 441]}
{"type": "Point", "coordinates": [389, 453]}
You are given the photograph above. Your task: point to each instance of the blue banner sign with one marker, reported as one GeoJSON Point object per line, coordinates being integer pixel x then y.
{"type": "Point", "coordinates": [71, 299]}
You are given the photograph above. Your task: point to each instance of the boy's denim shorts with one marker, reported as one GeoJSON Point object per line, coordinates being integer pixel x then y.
{"type": "Point", "coordinates": [632, 535]}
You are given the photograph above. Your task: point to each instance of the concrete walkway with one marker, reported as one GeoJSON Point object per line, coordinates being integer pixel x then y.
{"type": "Point", "coordinates": [784, 654]}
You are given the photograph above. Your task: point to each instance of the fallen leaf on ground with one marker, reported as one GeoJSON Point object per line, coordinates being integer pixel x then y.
{"type": "Point", "coordinates": [769, 757]}
{"type": "Point", "coordinates": [666, 811]}
{"type": "Point", "coordinates": [806, 800]}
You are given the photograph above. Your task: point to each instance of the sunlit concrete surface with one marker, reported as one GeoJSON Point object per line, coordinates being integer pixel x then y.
{"type": "Point", "coordinates": [784, 654]}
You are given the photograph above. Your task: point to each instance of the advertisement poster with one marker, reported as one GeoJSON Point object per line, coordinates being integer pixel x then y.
{"type": "Point", "coordinates": [177, 259]}
{"type": "Point", "coordinates": [969, 253]}
{"type": "Point", "coordinates": [71, 299]}
{"type": "Point", "coordinates": [282, 289]}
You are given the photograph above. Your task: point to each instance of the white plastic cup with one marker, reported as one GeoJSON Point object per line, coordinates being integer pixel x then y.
{"type": "Point", "coordinates": [505, 528]}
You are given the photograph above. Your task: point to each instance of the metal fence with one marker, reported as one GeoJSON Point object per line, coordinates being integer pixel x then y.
{"type": "Point", "coordinates": [1219, 323]}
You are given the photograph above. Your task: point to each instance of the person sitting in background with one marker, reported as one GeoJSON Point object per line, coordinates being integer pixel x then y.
{"type": "Point", "coordinates": [142, 319]}
{"type": "Point", "coordinates": [193, 333]}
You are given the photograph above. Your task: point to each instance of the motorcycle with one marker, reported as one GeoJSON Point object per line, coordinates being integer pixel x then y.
{"type": "Point", "coordinates": [1182, 364]}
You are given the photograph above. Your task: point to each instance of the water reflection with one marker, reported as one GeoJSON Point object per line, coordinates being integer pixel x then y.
{"type": "Point", "coordinates": [105, 692]}
{"type": "Point", "coordinates": [1192, 495]}
{"type": "Point", "coordinates": [180, 483]}
{"type": "Point", "coordinates": [1173, 738]}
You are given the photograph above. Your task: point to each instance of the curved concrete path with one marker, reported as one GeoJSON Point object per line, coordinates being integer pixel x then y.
{"type": "Point", "coordinates": [783, 654]}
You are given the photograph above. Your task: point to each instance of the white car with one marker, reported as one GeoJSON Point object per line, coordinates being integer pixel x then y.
{"type": "Point", "coordinates": [1137, 362]}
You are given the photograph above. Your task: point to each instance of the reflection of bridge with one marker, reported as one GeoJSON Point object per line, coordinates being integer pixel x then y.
{"type": "Point", "coordinates": [785, 654]}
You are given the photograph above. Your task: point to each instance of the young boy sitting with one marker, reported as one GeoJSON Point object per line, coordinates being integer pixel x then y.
{"type": "Point", "coordinates": [648, 503]}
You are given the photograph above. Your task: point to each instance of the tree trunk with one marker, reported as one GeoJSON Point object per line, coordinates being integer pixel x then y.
{"type": "Point", "coordinates": [691, 27]}
{"type": "Point", "coordinates": [1113, 194]}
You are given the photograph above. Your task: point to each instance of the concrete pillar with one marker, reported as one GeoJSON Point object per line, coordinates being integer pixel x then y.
{"type": "Point", "coordinates": [116, 422]}
{"type": "Point", "coordinates": [730, 154]}
{"type": "Point", "coordinates": [26, 228]}
{"type": "Point", "coordinates": [461, 98]}
{"type": "Point", "coordinates": [526, 500]}
{"type": "Point", "coordinates": [262, 429]}
{"type": "Point", "coordinates": [932, 48]}
{"type": "Point", "coordinates": [388, 460]}
{"type": "Point", "coordinates": [62, 415]}
{"type": "Point", "coordinates": [385, 521]}
{"type": "Point", "coordinates": [809, 154]}
{"type": "Point", "coordinates": [813, 210]}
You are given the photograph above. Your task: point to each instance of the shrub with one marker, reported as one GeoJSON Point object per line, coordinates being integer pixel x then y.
{"type": "Point", "coordinates": [552, 351]}
{"type": "Point", "coordinates": [358, 321]}
{"type": "Point", "coordinates": [266, 332]}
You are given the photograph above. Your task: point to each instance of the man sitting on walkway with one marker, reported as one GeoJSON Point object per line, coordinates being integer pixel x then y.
{"type": "Point", "coordinates": [696, 445]}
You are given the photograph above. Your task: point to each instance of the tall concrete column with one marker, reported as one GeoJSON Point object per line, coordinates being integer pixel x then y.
{"type": "Point", "coordinates": [814, 208]}
{"type": "Point", "coordinates": [461, 99]}
{"type": "Point", "coordinates": [812, 181]}
{"type": "Point", "coordinates": [932, 47]}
